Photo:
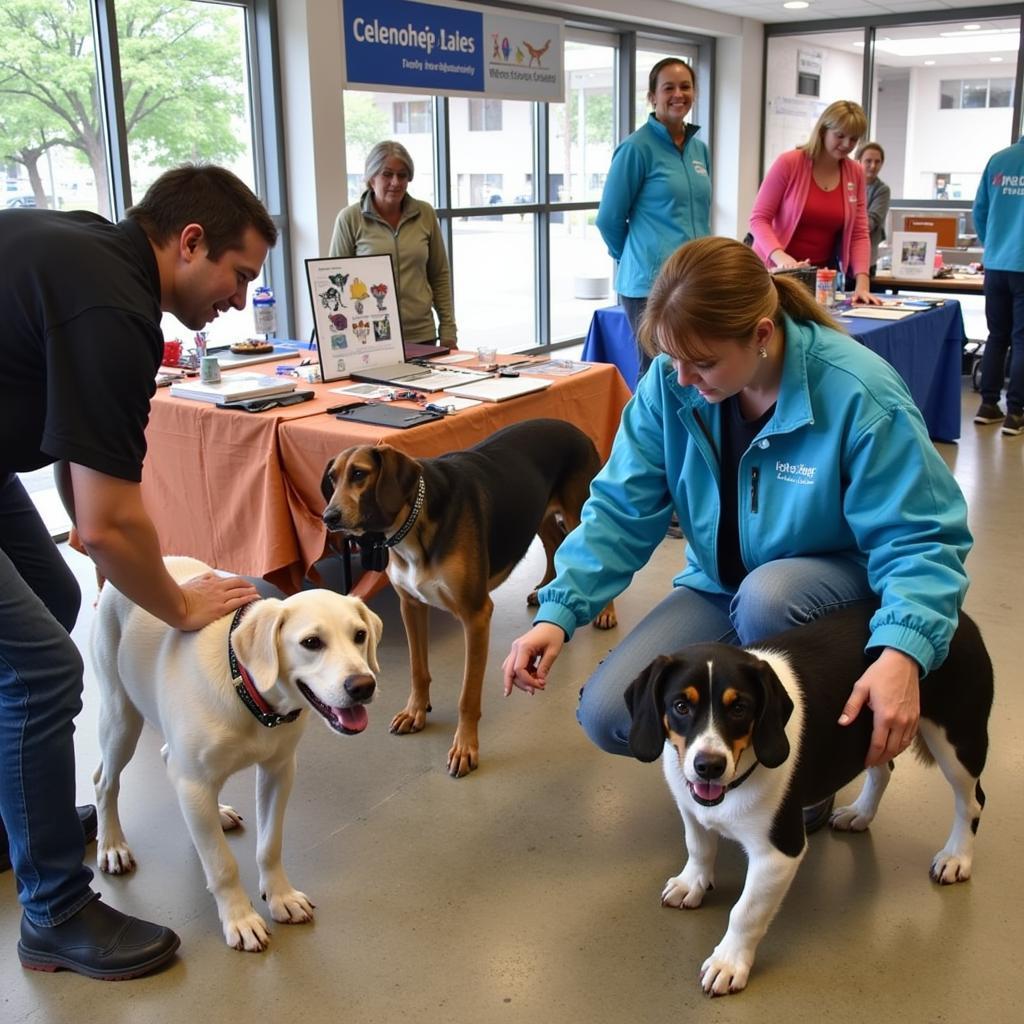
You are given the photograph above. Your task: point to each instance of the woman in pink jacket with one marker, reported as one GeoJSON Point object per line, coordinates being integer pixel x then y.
{"type": "Point", "coordinates": [811, 207]}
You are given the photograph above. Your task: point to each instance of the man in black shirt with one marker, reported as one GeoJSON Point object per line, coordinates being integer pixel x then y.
{"type": "Point", "coordinates": [80, 343]}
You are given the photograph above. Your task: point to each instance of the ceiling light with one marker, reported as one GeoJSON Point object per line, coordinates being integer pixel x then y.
{"type": "Point", "coordinates": [971, 28]}
{"type": "Point", "coordinates": [995, 60]}
{"type": "Point", "coordinates": [796, 5]}
{"type": "Point", "coordinates": [929, 62]}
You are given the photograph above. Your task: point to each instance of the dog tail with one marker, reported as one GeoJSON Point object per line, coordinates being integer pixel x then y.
{"type": "Point", "coordinates": [922, 753]}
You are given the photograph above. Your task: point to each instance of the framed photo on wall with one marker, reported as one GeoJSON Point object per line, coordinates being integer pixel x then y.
{"type": "Point", "coordinates": [355, 310]}
{"type": "Point", "coordinates": [913, 254]}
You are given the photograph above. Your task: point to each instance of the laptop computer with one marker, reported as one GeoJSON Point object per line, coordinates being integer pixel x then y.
{"type": "Point", "coordinates": [359, 327]}
{"type": "Point", "coordinates": [419, 376]}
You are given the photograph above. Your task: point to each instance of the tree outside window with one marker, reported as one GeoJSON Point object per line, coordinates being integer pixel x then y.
{"type": "Point", "coordinates": [183, 76]}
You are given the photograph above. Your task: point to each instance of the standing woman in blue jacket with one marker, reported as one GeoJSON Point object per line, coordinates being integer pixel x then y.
{"type": "Point", "coordinates": [804, 481]}
{"type": "Point", "coordinates": [658, 191]}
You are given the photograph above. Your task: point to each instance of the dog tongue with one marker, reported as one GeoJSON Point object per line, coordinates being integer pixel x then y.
{"type": "Point", "coordinates": [353, 719]}
{"type": "Point", "coordinates": [708, 790]}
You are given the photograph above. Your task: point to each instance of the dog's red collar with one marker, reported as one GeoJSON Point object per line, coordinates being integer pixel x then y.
{"type": "Point", "coordinates": [246, 688]}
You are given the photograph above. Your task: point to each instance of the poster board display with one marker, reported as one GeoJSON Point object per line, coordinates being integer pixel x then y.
{"type": "Point", "coordinates": [913, 254]}
{"type": "Point", "coordinates": [355, 309]}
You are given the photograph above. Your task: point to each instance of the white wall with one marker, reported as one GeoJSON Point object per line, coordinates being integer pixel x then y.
{"type": "Point", "coordinates": [312, 78]}
{"type": "Point", "coordinates": [955, 141]}
{"type": "Point", "coordinates": [789, 118]}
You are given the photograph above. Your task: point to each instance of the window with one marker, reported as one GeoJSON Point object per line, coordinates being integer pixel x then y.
{"type": "Point", "coordinates": [371, 117]}
{"type": "Point", "coordinates": [484, 115]}
{"type": "Point", "coordinates": [186, 88]}
{"type": "Point", "coordinates": [976, 92]}
{"type": "Point", "coordinates": [412, 117]}
{"type": "Point", "coordinates": [933, 82]}
{"type": "Point", "coordinates": [517, 210]}
{"type": "Point", "coordinates": [581, 137]}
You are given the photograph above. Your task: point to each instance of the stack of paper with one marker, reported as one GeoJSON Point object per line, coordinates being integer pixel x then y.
{"type": "Point", "coordinates": [233, 388]}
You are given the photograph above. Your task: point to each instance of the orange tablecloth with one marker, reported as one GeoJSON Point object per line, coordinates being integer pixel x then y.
{"type": "Point", "coordinates": [241, 491]}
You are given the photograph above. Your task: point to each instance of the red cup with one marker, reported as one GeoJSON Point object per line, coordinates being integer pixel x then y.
{"type": "Point", "coordinates": [172, 353]}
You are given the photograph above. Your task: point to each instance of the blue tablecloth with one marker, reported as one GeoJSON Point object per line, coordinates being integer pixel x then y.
{"type": "Point", "coordinates": [926, 349]}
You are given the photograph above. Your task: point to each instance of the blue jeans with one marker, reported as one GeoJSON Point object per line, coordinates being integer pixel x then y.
{"type": "Point", "coordinates": [40, 695]}
{"type": "Point", "coordinates": [634, 310]}
{"type": "Point", "coordinates": [1004, 311]}
{"type": "Point", "coordinates": [772, 598]}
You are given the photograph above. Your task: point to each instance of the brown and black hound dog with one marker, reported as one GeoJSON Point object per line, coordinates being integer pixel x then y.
{"type": "Point", "coordinates": [456, 526]}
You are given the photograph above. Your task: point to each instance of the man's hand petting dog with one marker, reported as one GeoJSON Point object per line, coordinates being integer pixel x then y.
{"type": "Point", "coordinates": [210, 596]}
{"type": "Point", "coordinates": [891, 689]}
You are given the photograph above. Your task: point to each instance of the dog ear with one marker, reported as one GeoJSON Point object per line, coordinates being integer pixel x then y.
{"type": "Point", "coordinates": [397, 475]}
{"type": "Point", "coordinates": [327, 481]}
{"type": "Point", "coordinates": [643, 699]}
{"type": "Point", "coordinates": [374, 627]}
{"type": "Point", "coordinates": [256, 641]}
{"type": "Point", "coordinates": [770, 743]}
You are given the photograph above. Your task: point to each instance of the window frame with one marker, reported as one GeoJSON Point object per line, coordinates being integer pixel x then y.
{"type": "Point", "coordinates": [263, 66]}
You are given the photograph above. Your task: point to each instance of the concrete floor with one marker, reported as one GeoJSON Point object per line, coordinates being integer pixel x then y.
{"type": "Point", "coordinates": [530, 890]}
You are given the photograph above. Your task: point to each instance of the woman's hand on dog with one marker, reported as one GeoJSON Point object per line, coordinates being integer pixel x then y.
{"type": "Point", "coordinates": [532, 655]}
{"type": "Point", "coordinates": [891, 689]}
{"type": "Point", "coordinates": [209, 597]}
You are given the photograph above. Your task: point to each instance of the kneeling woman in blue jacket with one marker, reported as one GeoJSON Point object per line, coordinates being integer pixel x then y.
{"type": "Point", "coordinates": [803, 478]}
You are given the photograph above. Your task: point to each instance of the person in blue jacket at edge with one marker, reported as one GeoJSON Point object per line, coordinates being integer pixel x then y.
{"type": "Point", "coordinates": [658, 191]}
{"type": "Point", "coordinates": [999, 221]}
{"type": "Point", "coordinates": [804, 481]}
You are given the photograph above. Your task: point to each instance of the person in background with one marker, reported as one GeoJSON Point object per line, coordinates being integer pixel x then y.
{"type": "Point", "coordinates": [387, 220]}
{"type": "Point", "coordinates": [811, 207]}
{"type": "Point", "coordinates": [658, 191]}
{"type": "Point", "coordinates": [999, 221]}
{"type": "Point", "coordinates": [80, 346]}
{"type": "Point", "coordinates": [878, 196]}
{"type": "Point", "coordinates": [804, 481]}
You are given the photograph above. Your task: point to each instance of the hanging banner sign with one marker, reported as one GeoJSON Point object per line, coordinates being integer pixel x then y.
{"type": "Point", "coordinates": [452, 50]}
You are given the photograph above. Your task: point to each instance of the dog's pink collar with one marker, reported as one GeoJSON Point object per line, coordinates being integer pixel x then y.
{"type": "Point", "coordinates": [246, 688]}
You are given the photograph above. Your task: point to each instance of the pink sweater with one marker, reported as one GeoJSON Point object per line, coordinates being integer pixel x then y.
{"type": "Point", "coordinates": [780, 204]}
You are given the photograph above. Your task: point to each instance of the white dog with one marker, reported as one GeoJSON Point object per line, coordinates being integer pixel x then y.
{"type": "Point", "coordinates": [233, 694]}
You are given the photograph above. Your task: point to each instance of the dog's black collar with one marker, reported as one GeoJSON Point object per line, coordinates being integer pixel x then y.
{"type": "Point", "coordinates": [414, 514]}
{"type": "Point", "coordinates": [743, 778]}
{"type": "Point", "coordinates": [246, 688]}
{"type": "Point", "coordinates": [374, 546]}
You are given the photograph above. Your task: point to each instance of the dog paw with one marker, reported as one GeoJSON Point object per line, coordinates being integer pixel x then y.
{"type": "Point", "coordinates": [685, 892]}
{"type": "Point", "coordinates": [247, 931]}
{"type": "Point", "coordinates": [290, 906]}
{"type": "Point", "coordinates": [948, 868]}
{"type": "Point", "coordinates": [850, 819]}
{"type": "Point", "coordinates": [229, 817]}
{"type": "Point", "coordinates": [114, 857]}
{"type": "Point", "coordinates": [532, 601]}
{"type": "Point", "coordinates": [725, 972]}
{"type": "Point", "coordinates": [463, 758]}
{"type": "Point", "coordinates": [408, 720]}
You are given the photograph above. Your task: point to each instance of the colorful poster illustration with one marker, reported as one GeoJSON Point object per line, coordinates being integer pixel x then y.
{"type": "Point", "coordinates": [355, 309]}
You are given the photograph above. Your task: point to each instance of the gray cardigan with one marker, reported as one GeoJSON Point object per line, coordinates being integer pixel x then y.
{"type": "Point", "coordinates": [878, 197]}
{"type": "Point", "coordinates": [422, 277]}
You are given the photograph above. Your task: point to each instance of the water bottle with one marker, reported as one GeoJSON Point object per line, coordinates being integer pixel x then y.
{"type": "Point", "coordinates": [264, 315]}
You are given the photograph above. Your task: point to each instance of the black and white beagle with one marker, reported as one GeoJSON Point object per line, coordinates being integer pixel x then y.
{"type": "Point", "coordinates": [751, 736]}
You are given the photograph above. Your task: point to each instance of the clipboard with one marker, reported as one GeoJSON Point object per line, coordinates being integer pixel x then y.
{"type": "Point", "coordinates": [397, 417]}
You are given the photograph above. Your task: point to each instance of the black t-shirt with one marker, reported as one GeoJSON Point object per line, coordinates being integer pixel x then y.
{"type": "Point", "coordinates": [80, 341]}
{"type": "Point", "coordinates": [737, 435]}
